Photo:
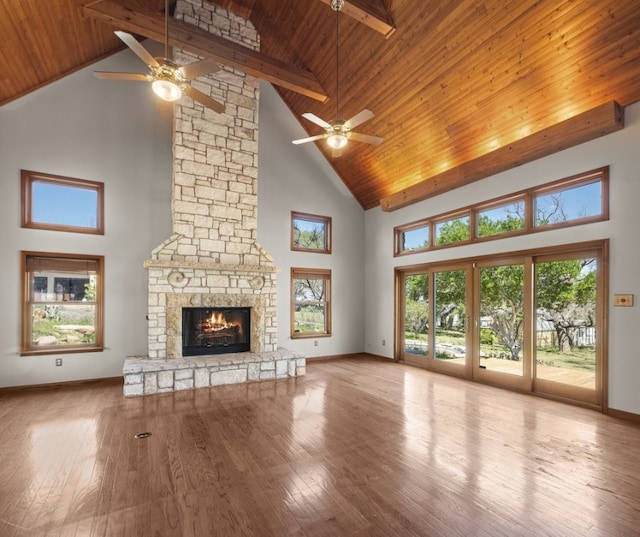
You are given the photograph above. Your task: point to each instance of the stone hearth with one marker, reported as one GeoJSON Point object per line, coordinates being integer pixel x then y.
{"type": "Point", "coordinates": [213, 257]}
{"type": "Point", "coordinates": [147, 377]}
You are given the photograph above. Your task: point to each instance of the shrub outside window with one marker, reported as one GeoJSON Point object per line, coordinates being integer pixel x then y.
{"type": "Point", "coordinates": [453, 230]}
{"type": "Point", "coordinates": [501, 219]}
{"type": "Point", "coordinates": [62, 303]}
{"type": "Point", "coordinates": [310, 302]}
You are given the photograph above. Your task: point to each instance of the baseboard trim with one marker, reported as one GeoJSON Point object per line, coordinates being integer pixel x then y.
{"type": "Point", "coordinates": [54, 385]}
{"type": "Point", "coordinates": [351, 356]}
{"type": "Point", "coordinates": [623, 415]}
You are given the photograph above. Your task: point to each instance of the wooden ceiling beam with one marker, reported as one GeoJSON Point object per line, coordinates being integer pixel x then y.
{"type": "Point", "coordinates": [371, 14]}
{"type": "Point", "coordinates": [589, 125]}
{"type": "Point", "coordinates": [150, 24]}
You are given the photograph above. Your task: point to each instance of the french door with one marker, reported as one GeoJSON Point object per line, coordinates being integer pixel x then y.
{"type": "Point", "coordinates": [435, 320]}
{"type": "Point", "coordinates": [531, 322]}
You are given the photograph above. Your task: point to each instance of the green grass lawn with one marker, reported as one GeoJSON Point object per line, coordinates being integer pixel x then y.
{"type": "Point", "coordinates": [579, 358]}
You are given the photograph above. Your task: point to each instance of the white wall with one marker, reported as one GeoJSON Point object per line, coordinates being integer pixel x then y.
{"type": "Point", "coordinates": [298, 178]}
{"type": "Point", "coordinates": [620, 151]}
{"type": "Point", "coordinates": [118, 133]}
{"type": "Point", "coordinates": [109, 131]}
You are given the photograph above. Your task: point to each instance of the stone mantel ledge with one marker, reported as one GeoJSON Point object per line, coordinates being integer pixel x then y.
{"type": "Point", "coordinates": [170, 263]}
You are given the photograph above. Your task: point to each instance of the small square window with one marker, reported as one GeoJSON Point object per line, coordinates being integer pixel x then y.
{"type": "Point", "coordinates": [62, 203]}
{"type": "Point", "coordinates": [310, 233]}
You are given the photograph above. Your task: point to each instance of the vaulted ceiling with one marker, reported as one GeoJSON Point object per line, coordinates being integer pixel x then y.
{"type": "Point", "coordinates": [456, 85]}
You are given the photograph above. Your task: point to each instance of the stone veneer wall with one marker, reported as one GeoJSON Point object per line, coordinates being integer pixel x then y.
{"type": "Point", "coordinates": [213, 255]}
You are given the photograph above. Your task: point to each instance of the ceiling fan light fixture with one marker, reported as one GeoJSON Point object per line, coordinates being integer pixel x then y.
{"type": "Point", "coordinates": [166, 90]}
{"type": "Point", "coordinates": [338, 132]}
{"type": "Point", "coordinates": [337, 141]}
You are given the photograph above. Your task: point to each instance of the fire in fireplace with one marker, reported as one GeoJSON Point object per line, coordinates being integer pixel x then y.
{"type": "Point", "coordinates": [215, 330]}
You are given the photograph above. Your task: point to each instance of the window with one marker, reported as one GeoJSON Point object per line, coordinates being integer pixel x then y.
{"type": "Point", "coordinates": [453, 230]}
{"type": "Point", "coordinates": [572, 201]}
{"type": "Point", "coordinates": [310, 233]}
{"type": "Point", "coordinates": [413, 238]}
{"type": "Point", "coordinates": [310, 302]}
{"type": "Point", "coordinates": [568, 203]}
{"type": "Point", "coordinates": [501, 219]}
{"type": "Point", "coordinates": [62, 303]}
{"type": "Point", "coordinates": [62, 203]}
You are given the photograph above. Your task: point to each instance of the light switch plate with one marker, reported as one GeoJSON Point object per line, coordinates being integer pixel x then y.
{"type": "Point", "coordinates": [623, 300]}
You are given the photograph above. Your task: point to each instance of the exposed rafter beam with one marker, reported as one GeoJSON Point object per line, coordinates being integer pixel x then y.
{"type": "Point", "coordinates": [370, 13]}
{"type": "Point", "coordinates": [589, 125]}
{"type": "Point", "coordinates": [148, 23]}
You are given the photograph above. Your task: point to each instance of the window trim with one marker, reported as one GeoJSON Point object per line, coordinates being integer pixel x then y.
{"type": "Point", "coordinates": [312, 273]}
{"type": "Point", "coordinates": [527, 196]}
{"type": "Point", "coordinates": [27, 300]}
{"type": "Point", "coordinates": [325, 220]}
{"type": "Point", "coordinates": [28, 178]}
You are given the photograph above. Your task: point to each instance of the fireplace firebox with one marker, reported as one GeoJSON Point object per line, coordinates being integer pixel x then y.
{"type": "Point", "coordinates": [215, 330]}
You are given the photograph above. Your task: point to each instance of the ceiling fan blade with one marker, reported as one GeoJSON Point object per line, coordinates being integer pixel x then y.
{"type": "Point", "coordinates": [359, 118]}
{"type": "Point", "coordinates": [367, 139]}
{"type": "Point", "coordinates": [199, 68]}
{"type": "Point", "coordinates": [316, 120]}
{"type": "Point", "coordinates": [136, 77]}
{"type": "Point", "coordinates": [136, 47]}
{"type": "Point", "coordinates": [310, 139]}
{"type": "Point", "coordinates": [205, 100]}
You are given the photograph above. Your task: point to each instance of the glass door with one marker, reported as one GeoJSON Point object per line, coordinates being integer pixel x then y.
{"type": "Point", "coordinates": [532, 322]}
{"type": "Point", "coordinates": [414, 326]}
{"type": "Point", "coordinates": [434, 325]}
{"type": "Point", "coordinates": [450, 347]}
{"type": "Point", "coordinates": [567, 346]}
{"type": "Point", "coordinates": [501, 319]}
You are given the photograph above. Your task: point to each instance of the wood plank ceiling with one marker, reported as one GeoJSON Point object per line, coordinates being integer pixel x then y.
{"type": "Point", "coordinates": [451, 82]}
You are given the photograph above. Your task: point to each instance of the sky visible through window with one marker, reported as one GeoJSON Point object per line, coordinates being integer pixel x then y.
{"type": "Point", "coordinates": [63, 204]}
{"type": "Point", "coordinates": [551, 207]}
{"type": "Point", "coordinates": [569, 204]}
{"type": "Point", "coordinates": [308, 225]}
{"type": "Point", "coordinates": [416, 238]}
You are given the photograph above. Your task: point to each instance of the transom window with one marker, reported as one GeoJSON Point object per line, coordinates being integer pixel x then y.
{"type": "Point", "coordinates": [572, 201]}
{"type": "Point", "coordinates": [62, 304]}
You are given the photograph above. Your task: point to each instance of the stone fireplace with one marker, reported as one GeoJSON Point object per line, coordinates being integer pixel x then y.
{"type": "Point", "coordinates": [213, 258]}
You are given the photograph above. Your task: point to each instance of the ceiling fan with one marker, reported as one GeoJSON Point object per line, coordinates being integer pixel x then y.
{"type": "Point", "coordinates": [338, 131]}
{"type": "Point", "coordinates": [168, 80]}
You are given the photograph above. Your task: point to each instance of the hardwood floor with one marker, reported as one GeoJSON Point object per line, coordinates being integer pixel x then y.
{"type": "Point", "coordinates": [357, 447]}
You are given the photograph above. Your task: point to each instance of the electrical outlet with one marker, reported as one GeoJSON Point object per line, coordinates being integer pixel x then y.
{"type": "Point", "coordinates": [623, 300]}
{"type": "Point", "coordinates": [384, 342]}
{"type": "Point", "coordinates": [58, 362]}
{"type": "Point", "coordinates": [315, 343]}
